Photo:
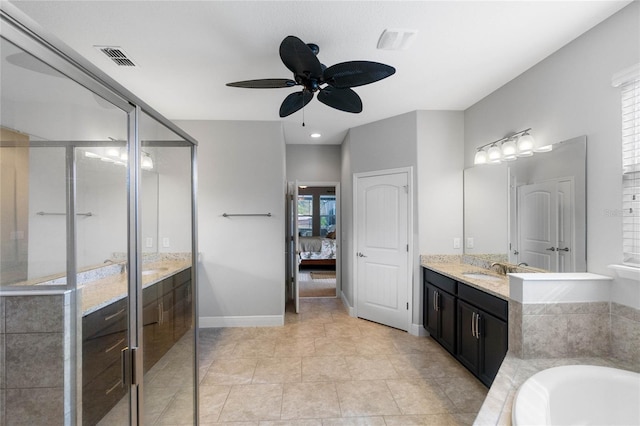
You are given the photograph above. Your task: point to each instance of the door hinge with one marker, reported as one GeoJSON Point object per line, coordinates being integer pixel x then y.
{"type": "Point", "coordinates": [407, 306]}
{"type": "Point", "coordinates": [407, 248]}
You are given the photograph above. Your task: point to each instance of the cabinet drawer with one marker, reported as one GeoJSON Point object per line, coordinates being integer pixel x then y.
{"type": "Point", "coordinates": [102, 394]}
{"type": "Point", "coordinates": [100, 352]}
{"type": "Point", "coordinates": [445, 283]}
{"type": "Point", "coordinates": [487, 302]}
{"type": "Point", "coordinates": [108, 320]}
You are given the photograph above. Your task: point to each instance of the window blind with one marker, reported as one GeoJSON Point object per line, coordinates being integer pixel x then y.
{"type": "Point", "coordinates": [631, 172]}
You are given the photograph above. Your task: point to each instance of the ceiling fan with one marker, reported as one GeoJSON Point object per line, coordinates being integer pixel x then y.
{"type": "Point", "coordinates": [333, 84]}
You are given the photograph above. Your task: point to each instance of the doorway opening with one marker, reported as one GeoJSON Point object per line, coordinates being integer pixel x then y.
{"type": "Point", "coordinates": [313, 242]}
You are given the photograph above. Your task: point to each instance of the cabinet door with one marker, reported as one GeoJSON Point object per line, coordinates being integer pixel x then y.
{"type": "Point", "coordinates": [493, 347]}
{"type": "Point", "coordinates": [430, 314]}
{"type": "Point", "coordinates": [447, 317]}
{"type": "Point", "coordinates": [468, 350]}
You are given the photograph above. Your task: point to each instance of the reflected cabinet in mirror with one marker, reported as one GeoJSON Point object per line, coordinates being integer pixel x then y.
{"type": "Point", "coordinates": [530, 211]}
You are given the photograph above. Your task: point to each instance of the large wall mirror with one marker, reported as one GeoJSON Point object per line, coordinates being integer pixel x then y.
{"type": "Point", "coordinates": [531, 211]}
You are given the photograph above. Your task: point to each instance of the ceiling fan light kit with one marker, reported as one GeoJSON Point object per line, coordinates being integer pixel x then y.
{"type": "Point", "coordinates": [333, 83]}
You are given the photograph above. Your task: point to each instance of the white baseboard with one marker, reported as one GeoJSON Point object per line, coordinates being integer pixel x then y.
{"type": "Point", "coordinates": [418, 330]}
{"type": "Point", "coordinates": [350, 309]}
{"type": "Point", "coordinates": [242, 321]}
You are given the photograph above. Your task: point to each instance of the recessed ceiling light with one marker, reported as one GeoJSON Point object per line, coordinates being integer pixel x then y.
{"type": "Point", "coordinates": [315, 135]}
{"type": "Point", "coordinates": [396, 39]}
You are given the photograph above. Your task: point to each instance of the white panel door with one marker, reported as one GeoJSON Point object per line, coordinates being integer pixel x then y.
{"type": "Point", "coordinates": [546, 225]}
{"type": "Point", "coordinates": [537, 224]}
{"type": "Point", "coordinates": [382, 249]}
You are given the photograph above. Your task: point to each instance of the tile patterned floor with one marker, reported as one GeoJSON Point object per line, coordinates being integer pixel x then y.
{"type": "Point", "coordinates": [326, 368]}
{"type": "Point", "coordinates": [322, 368]}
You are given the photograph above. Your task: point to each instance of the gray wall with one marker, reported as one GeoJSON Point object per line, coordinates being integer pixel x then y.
{"type": "Point", "coordinates": [567, 95]}
{"type": "Point", "coordinates": [431, 142]}
{"type": "Point", "coordinates": [241, 169]}
{"type": "Point", "coordinates": [313, 163]}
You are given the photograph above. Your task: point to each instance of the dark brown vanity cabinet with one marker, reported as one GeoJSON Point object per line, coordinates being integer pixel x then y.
{"type": "Point", "coordinates": [482, 332]}
{"type": "Point", "coordinates": [104, 335]}
{"type": "Point", "coordinates": [167, 309]}
{"type": "Point", "coordinates": [440, 309]}
{"type": "Point", "coordinates": [467, 322]}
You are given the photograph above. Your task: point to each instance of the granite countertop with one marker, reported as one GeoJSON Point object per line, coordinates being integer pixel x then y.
{"type": "Point", "coordinates": [498, 287]}
{"type": "Point", "coordinates": [99, 293]}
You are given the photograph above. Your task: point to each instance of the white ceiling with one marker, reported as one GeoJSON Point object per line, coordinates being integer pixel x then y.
{"type": "Point", "coordinates": [187, 50]}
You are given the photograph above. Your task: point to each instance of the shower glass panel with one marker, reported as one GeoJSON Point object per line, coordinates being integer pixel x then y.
{"type": "Point", "coordinates": [168, 310]}
{"type": "Point", "coordinates": [97, 243]}
{"type": "Point", "coordinates": [64, 218]}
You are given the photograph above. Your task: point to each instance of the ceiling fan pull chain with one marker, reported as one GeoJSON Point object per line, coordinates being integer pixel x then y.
{"type": "Point", "coordinates": [303, 111]}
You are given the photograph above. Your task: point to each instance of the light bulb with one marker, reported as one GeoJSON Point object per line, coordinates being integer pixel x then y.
{"type": "Point", "coordinates": [481, 157]}
{"type": "Point", "coordinates": [495, 154]}
{"type": "Point", "coordinates": [509, 150]}
{"type": "Point", "coordinates": [525, 145]}
{"type": "Point", "coordinates": [147, 162]}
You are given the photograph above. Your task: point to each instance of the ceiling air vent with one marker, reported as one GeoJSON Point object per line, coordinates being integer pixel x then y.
{"type": "Point", "coordinates": [396, 39]}
{"type": "Point", "coordinates": [117, 55]}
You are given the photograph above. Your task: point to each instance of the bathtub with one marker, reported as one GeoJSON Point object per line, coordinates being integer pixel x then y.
{"type": "Point", "coordinates": [578, 395]}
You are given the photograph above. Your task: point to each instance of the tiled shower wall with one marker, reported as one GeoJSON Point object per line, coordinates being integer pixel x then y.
{"type": "Point", "coordinates": [566, 330]}
{"type": "Point", "coordinates": [35, 353]}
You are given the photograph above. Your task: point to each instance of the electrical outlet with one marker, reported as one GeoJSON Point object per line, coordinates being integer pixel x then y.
{"type": "Point", "coordinates": [470, 243]}
{"type": "Point", "coordinates": [456, 243]}
{"type": "Point", "coordinates": [149, 242]}
{"type": "Point", "coordinates": [165, 242]}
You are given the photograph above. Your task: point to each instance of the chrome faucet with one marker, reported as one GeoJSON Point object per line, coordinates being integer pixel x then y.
{"type": "Point", "coordinates": [523, 264]}
{"type": "Point", "coordinates": [502, 269]}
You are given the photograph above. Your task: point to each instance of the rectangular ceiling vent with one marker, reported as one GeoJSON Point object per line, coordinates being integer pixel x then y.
{"type": "Point", "coordinates": [117, 55]}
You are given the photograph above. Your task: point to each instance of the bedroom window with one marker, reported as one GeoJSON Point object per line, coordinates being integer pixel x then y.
{"type": "Point", "coordinates": [316, 211]}
{"type": "Point", "coordinates": [305, 215]}
{"type": "Point", "coordinates": [629, 83]}
{"type": "Point", "coordinates": [327, 214]}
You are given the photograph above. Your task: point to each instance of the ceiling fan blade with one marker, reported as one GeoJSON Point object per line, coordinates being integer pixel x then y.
{"type": "Point", "coordinates": [294, 102]}
{"type": "Point", "coordinates": [299, 57]}
{"type": "Point", "coordinates": [265, 83]}
{"type": "Point", "coordinates": [356, 73]}
{"type": "Point", "coordinates": [342, 99]}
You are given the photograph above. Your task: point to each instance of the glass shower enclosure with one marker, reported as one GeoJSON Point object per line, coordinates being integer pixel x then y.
{"type": "Point", "coordinates": [97, 245]}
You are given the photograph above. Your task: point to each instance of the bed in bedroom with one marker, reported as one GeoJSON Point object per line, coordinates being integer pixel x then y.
{"type": "Point", "coordinates": [317, 251]}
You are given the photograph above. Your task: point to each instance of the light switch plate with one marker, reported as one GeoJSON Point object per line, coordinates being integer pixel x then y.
{"type": "Point", "coordinates": [456, 243]}
{"type": "Point", "coordinates": [149, 242]}
{"type": "Point", "coordinates": [165, 241]}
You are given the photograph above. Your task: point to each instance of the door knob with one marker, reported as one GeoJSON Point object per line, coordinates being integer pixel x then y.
{"type": "Point", "coordinates": [551, 249]}
{"type": "Point", "coordinates": [563, 249]}
{"type": "Point", "coordinates": [361, 255]}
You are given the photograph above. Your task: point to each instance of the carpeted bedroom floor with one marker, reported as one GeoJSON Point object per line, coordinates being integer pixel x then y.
{"type": "Point", "coordinates": [317, 283]}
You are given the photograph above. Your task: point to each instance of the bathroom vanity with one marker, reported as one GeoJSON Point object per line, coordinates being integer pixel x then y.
{"type": "Point", "coordinates": [467, 316]}
{"type": "Point", "coordinates": [167, 315]}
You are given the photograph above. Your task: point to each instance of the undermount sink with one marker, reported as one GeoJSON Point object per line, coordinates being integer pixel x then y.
{"type": "Point", "coordinates": [481, 276]}
{"type": "Point", "coordinates": [154, 271]}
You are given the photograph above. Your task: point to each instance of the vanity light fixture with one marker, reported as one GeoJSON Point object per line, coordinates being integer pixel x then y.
{"type": "Point", "coordinates": [509, 148]}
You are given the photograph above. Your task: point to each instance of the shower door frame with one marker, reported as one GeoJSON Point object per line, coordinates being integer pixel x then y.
{"type": "Point", "coordinates": [20, 30]}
